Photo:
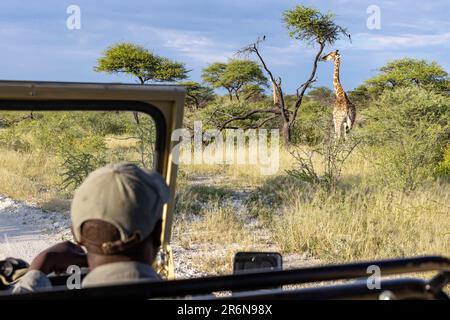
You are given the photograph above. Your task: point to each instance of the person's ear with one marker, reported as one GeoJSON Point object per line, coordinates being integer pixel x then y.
{"type": "Point", "coordinates": [156, 234]}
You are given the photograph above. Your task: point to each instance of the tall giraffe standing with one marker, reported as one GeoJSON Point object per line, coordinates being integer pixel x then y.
{"type": "Point", "coordinates": [344, 112]}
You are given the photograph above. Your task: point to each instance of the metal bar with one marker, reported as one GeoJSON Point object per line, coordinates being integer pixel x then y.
{"type": "Point", "coordinates": [248, 281]}
{"type": "Point", "coordinates": [394, 289]}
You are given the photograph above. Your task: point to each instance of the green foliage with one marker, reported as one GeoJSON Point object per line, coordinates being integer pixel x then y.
{"type": "Point", "coordinates": [313, 124]}
{"type": "Point", "coordinates": [408, 71]}
{"type": "Point", "coordinates": [308, 24]}
{"type": "Point", "coordinates": [213, 74]}
{"type": "Point", "coordinates": [145, 133]}
{"type": "Point", "coordinates": [322, 95]}
{"type": "Point", "coordinates": [408, 128]}
{"type": "Point", "coordinates": [77, 167]}
{"type": "Point", "coordinates": [360, 96]}
{"type": "Point", "coordinates": [139, 62]}
{"type": "Point", "coordinates": [78, 140]}
{"type": "Point", "coordinates": [443, 168]}
{"type": "Point", "coordinates": [197, 95]}
{"type": "Point", "coordinates": [11, 139]}
{"type": "Point", "coordinates": [234, 75]}
{"type": "Point", "coordinates": [253, 93]}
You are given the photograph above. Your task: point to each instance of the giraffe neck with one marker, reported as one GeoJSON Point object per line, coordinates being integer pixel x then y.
{"type": "Point", "coordinates": [339, 91]}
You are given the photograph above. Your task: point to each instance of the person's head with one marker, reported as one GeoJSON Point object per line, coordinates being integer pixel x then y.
{"type": "Point", "coordinates": [117, 214]}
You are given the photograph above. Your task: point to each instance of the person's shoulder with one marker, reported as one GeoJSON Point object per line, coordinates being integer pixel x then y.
{"type": "Point", "coordinates": [119, 272]}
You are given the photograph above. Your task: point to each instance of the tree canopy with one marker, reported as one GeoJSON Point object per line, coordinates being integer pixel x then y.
{"type": "Point", "coordinates": [137, 61]}
{"type": "Point", "coordinates": [197, 95]}
{"type": "Point", "coordinates": [234, 76]}
{"type": "Point", "coordinates": [323, 95]}
{"type": "Point", "coordinates": [408, 71]}
{"type": "Point", "coordinates": [310, 25]}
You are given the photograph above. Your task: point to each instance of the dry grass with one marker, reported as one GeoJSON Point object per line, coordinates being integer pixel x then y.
{"type": "Point", "coordinates": [239, 175]}
{"type": "Point", "coordinates": [216, 236]}
{"type": "Point", "coordinates": [367, 225]}
{"type": "Point", "coordinates": [35, 176]}
{"type": "Point", "coordinates": [362, 220]}
{"type": "Point", "coordinates": [32, 177]}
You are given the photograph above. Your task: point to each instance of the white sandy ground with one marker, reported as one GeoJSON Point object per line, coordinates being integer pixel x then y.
{"type": "Point", "coordinates": [26, 230]}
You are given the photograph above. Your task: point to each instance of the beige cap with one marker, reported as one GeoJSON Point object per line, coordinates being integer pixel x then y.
{"type": "Point", "coordinates": [123, 195]}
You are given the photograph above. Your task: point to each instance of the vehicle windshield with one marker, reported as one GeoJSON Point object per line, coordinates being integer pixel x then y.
{"type": "Point", "coordinates": [45, 156]}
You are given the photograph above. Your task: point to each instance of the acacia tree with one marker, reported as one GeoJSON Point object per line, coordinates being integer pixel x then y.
{"type": "Point", "coordinates": [234, 76]}
{"type": "Point", "coordinates": [137, 61]}
{"type": "Point", "coordinates": [304, 24]}
{"type": "Point", "coordinates": [197, 95]}
{"type": "Point", "coordinates": [409, 71]}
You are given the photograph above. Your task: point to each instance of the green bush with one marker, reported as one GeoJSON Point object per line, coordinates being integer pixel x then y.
{"type": "Point", "coordinates": [11, 139]}
{"type": "Point", "coordinates": [408, 129]}
{"type": "Point", "coordinates": [77, 166]}
{"type": "Point", "coordinates": [312, 124]}
{"type": "Point", "coordinates": [443, 168]}
{"type": "Point", "coordinates": [104, 123]}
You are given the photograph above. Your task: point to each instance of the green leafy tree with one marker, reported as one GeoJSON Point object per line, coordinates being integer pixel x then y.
{"type": "Point", "coordinates": [253, 93]}
{"type": "Point", "coordinates": [322, 95]}
{"type": "Point", "coordinates": [234, 76]}
{"type": "Point", "coordinates": [197, 95]}
{"type": "Point", "coordinates": [408, 71]}
{"type": "Point", "coordinates": [137, 61]}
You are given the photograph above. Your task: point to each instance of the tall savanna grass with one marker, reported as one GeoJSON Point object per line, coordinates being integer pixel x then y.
{"type": "Point", "coordinates": [366, 224]}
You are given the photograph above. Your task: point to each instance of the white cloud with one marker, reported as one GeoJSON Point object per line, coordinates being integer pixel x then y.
{"type": "Point", "coordinates": [195, 45]}
{"type": "Point", "coordinates": [367, 41]}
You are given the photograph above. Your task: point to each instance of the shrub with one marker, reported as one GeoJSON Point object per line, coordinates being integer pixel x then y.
{"type": "Point", "coordinates": [77, 167]}
{"type": "Point", "coordinates": [443, 168]}
{"type": "Point", "coordinates": [10, 139]}
{"type": "Point", "coordinates": [312, 124]}
{"type": "Point", "coordinates": [409, 128]}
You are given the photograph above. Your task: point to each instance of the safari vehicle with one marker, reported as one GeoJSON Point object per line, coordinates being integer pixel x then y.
{"type": "Point", "coordinates": [253, 271]}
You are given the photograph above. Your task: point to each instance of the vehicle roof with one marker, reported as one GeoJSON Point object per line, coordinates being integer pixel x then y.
{"type": "Point", "coordinates": [89, 90]}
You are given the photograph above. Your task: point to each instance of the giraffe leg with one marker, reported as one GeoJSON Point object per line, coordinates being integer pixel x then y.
{"type": "Point", "coordinates": [336, 130]}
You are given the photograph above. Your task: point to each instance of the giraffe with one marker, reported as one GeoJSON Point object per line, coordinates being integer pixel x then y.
{"type": "Point", "coordinates": [344, 112]}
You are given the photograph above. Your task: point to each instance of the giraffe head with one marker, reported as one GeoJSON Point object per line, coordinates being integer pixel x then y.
{"type": "Point", "coordinates": [333, 56]}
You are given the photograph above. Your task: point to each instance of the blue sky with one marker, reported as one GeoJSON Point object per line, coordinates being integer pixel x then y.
{"type": "Point", "coordinates": [36, 44]}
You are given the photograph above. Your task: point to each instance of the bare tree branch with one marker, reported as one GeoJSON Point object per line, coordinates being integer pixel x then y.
{"type": "Point", "coordinates": [306, 85]}
{"type": "Point", "coordinates": [247, 115]}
